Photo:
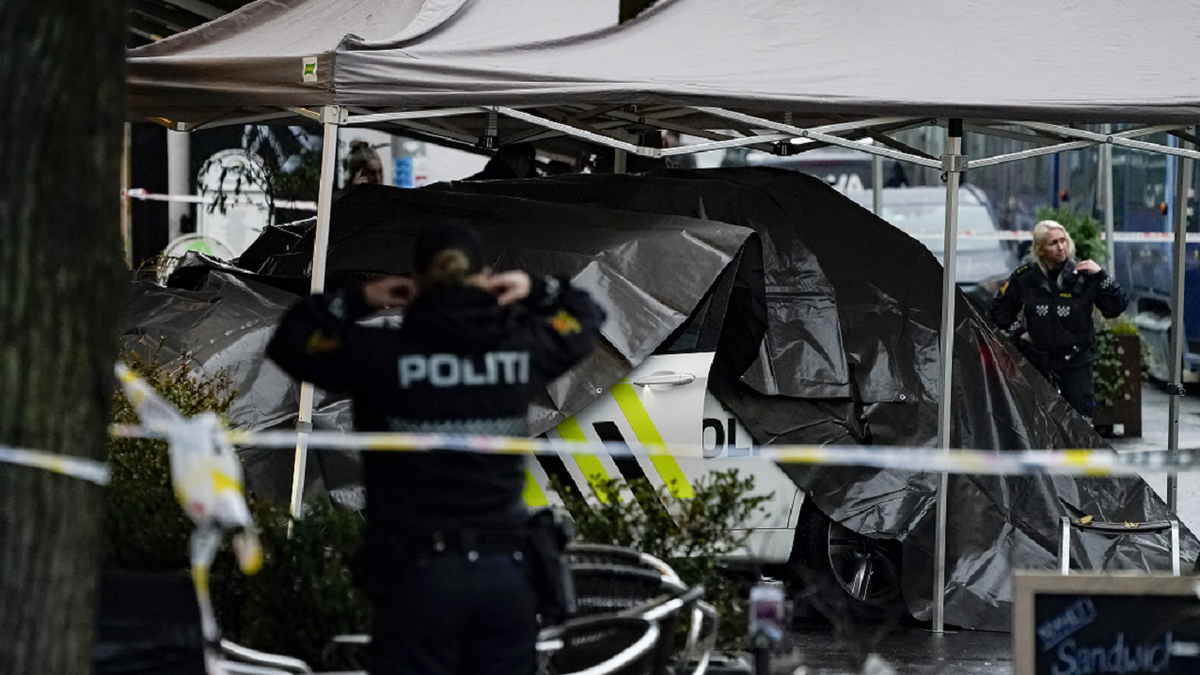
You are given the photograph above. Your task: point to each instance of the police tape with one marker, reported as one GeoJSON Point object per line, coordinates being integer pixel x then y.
{"type": "Point", "coordinates": [143, 195]}
{"type": "Point", "coordinates": [76, 467]}
{"type": "Point", "coordinates": [917, 459]}
{"type": "Point", "coordinates": [1002, 235]}
{"type": "Point", "coordinates": [1026, 235]}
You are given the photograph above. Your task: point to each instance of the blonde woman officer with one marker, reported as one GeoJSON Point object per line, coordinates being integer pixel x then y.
{"type": "Point", "coordinates": [1049, 303]}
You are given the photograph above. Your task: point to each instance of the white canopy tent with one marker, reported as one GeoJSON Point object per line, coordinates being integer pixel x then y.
{"type": "Point", "coordinates": [783, 75]}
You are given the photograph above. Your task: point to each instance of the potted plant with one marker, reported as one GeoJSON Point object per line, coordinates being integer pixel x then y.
{"type": "Point", "coordinates": [1118, 375]}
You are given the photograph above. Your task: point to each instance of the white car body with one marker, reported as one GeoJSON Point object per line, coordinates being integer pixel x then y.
{"type": "Point", "coordinates": [667, 398]}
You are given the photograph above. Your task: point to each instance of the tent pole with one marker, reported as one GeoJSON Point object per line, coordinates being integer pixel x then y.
{"type": "Point", "coordinates": [1106, 184]}
{"type": "Point", "coordinates": [331, 118]}
{"type": "Point", "coordinates": [179, 145]}
{"type": "Point", "coordinates": [620, 158]}
{"type": "Point", "coordinates": [953, 163]}
{"type": "Point", "coordinates": [877, 184]}
{"type": "Point", "coordinates": [1183, 184]}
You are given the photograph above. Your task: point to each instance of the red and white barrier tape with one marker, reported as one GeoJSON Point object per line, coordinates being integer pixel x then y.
{"type": "Point", "coordinates": [1003, 235]}
{"type": "Point", "coordinates": [142, 194]}
{"type": "Point", "coordinates": [1023, 235]}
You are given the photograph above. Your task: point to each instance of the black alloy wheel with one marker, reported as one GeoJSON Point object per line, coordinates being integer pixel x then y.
{"type": "Point", "coordinates": [845, 574]}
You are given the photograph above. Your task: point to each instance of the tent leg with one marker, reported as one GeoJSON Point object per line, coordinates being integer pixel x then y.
{"type": "Point", "coordinates": [1183, 184]}
{"type": "Point", "coordinates": [953, 163]}
{"type": "Point", "coordinates": [1055, 177]}
{"type": "Point", "coordinates": [331, 117]}
{"type": "Point", "coordinates": [620, 158]}
{"type": "Point", "coordinates": [877, 185]}
{"type": "Point", "coordinates": [1106, 185]}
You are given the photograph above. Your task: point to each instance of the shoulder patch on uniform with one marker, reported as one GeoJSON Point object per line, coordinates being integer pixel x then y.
{"type": "Point", "coordinates": [320, 343]}
{"type": "Point", "coordinates": [1022, 269]}
{"type": "Point", "coordinates": [565, 324]}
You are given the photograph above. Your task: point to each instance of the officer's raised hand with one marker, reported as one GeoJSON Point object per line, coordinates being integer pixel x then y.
{"type": "Point", "coordinates": [508, 287]}
{"type": "Point", "coordinates": [1087, 267]}
{"type": "Point", "coordinates": [389, 292]}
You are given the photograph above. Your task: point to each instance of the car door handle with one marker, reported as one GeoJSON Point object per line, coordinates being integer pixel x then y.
{"type": "Point", "coordinates": [665, 378]}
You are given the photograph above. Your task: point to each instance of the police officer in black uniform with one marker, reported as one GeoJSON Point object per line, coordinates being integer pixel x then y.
{"type": "Point", "coordinates": [445, 530]}
{"type": "Point", "coordinates": [1057, 295]}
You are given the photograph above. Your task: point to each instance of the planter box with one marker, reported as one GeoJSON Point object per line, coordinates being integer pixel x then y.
{"type": "Point", "coordinates": [1125, 411]}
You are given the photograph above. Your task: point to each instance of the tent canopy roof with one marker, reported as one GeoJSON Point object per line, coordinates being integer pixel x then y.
{"type": "Point", "coordinates": [1108, 60]}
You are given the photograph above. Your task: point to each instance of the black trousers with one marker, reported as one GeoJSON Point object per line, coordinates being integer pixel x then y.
{"type": "Point", "coordinates": [1077, 387]}
{"type": "Point", "coordinates": [1074, 383]}
{"type": "Point", "coordinates": [453, 613]}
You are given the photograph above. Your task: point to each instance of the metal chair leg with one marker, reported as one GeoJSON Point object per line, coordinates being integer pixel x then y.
{"type": "Point", "coordinates": [1064, 547]}
{"type": "Point", "coordinates": [1175, 546]}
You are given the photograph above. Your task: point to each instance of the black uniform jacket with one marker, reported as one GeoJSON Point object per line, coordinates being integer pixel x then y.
{"type": "Point", "coordinates": [1058, 316]}
{"type": "Point", "coordinates": [460, 364]}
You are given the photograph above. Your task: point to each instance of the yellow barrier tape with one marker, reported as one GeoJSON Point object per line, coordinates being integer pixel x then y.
{"type": "Point", "coordinates": [200, 580]}
{"type": "Point", "coordinates": [901, 458]}
{"type": "Point", "coordinates": [76, 467]}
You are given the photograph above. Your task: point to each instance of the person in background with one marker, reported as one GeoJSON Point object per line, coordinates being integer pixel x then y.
{"type": "Point", "coordinates": [671, 139]}
{"type": "Point", "coordinates": [518, 160]}
{"type": "Point", "coordinates": [1056, 294]}
{"type": "Point", "coordinates": [363, 165]}
{"type": "Point", "coordinates": [450, 544]}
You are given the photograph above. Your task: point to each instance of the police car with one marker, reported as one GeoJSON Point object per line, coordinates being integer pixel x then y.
{"type": "Point", "coordinates": [666, 400]}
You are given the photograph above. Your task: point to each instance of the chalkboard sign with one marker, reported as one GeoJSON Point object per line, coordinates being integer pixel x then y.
{"type": "Point", "coordinates": [1083, 624]}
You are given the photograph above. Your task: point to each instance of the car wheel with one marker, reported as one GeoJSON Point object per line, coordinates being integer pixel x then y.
{"type": "Point", "coordinates": [845, 573]}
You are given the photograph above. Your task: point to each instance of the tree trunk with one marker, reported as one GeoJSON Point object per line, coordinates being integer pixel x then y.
{"type": "Point", "coordinates": [61, 291]}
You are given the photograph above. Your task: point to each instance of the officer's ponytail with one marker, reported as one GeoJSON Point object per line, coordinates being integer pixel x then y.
{"type": "Point", "coordinates": [447, 255]}
{"type": "Point", "coordinates": [449, 267]}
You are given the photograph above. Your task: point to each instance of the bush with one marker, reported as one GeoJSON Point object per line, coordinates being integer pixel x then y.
{"type": "Point", "coordinates": [304, 594]}
{"type": "Point", "coordinates": [1084, 230]}
{"type": "Point", "coordinates": [145, 530]}
{"type": "Point", "coordinates": [703, 532]}
{"type": "Point", "coordinates": [1108, 371]}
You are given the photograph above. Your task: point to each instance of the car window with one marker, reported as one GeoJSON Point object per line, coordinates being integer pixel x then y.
{"type": "Point", "coordinates": [701, 330]}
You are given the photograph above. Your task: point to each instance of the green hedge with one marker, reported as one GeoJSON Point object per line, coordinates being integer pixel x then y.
{"type": "Point", "coordinates": [304, 594]}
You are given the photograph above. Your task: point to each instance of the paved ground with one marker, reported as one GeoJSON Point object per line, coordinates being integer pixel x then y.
{"type": "Point", "coordinates": [906, 651]}
{"type": "Point", "coordinates": [1155, 407]}
{"type": "Point", "coordinates": [914, 650]}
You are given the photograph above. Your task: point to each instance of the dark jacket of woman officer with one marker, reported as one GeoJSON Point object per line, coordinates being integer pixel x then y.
{"type": "Point", "coordinates": [1056, 295]}
{"type": "Point", "coordinates": [444, 529]}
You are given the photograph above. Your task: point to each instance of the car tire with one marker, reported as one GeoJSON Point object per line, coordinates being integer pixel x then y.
{"type": "Point", "coordinates": [845, 574]}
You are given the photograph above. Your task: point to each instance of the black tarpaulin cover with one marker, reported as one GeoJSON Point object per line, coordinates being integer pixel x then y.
{"type": "Point", "coordinates": [831, 337]}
